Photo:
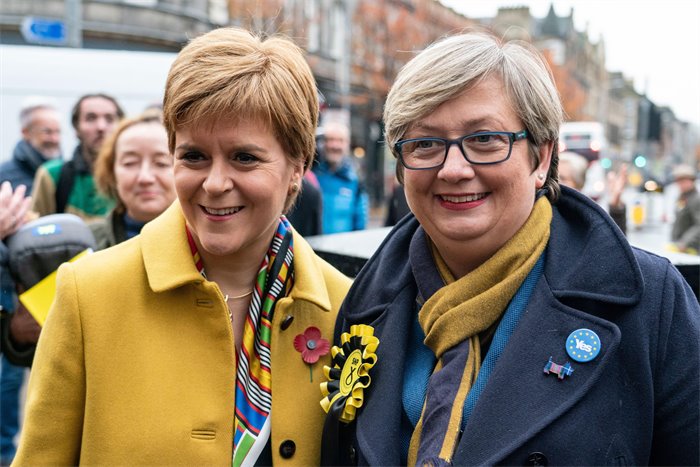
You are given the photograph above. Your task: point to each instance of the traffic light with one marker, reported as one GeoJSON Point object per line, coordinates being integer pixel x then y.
{"type": "Point", "coordinates": [640, 161]}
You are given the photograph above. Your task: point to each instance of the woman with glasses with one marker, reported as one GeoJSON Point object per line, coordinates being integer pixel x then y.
{"type": "Point", "coordinates": [508, 321]}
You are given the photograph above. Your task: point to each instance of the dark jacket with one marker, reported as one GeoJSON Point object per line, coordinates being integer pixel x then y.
{"type": "Point", "coordinates": [397, 207]}
{"type": "Point", "coordinates": [21, 168]}
{"type": "Point", "coordinates": [306, 214]}
{"type": "Point", "coordinates": [635, 404]}
{"type": "Point", "coordinates": [108, 231]}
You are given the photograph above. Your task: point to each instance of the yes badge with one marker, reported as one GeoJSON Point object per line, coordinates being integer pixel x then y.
{"type": "Point", "coordinates": [583, 345]}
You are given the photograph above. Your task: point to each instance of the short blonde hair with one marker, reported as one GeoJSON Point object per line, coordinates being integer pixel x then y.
{"type": "Point", "coordinates": [232, 73]}
{"type": "Point", "coordinates": [105, 179]}
{"type": "Point", "coordinates": [453, 64]}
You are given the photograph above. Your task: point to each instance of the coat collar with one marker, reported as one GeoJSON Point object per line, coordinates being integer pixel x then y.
{"type": "Point", "coordinates": [166, 253]}
{"type": "Point", "coordinates": [580, 262]}
{"type": "Point", "coordinates": [169, 264]}
{"type": "Point", "coordinates": [27, 156]}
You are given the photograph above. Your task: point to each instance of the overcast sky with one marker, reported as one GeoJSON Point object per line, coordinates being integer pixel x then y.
{"type": "Point", "coordinates": [656, 42]}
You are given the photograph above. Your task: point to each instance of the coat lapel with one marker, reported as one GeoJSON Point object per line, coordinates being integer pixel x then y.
{"type": "Point", "coordinates": [503, 419]}
{"type": "Point", "coordinates": [379, 420]}
{"type": "Point", "coordinates": [166, 253]}
{"type": "Point", "coordinates": [384, 297]}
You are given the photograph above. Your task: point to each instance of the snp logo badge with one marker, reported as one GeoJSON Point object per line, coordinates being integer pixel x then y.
{"type": "Point", "coordinates": [583, 345]}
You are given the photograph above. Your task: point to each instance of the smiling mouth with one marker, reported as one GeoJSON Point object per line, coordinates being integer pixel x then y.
{"type": "Point", "coordinates": [463, 199]}
{"type": "Point", "coordinates": [221, 212]}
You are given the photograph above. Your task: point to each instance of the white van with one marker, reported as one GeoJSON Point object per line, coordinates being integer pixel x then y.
{"type": "Point", "coordinates": [60, 75]}
{"type": "Point", "coordinates": [585, 138]}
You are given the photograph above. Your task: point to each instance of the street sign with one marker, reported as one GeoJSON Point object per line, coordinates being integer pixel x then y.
{"type": "Point", "coordinates": [43, 31]}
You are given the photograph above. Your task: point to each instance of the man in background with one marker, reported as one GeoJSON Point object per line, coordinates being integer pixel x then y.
{"type": "Point", "coordinates": [68, 186]}
{"type": "Point", "coordinates": [345, 202]}
{"type": "Point", "coordinates": [685, 233]}
{"type": "Point", "coordinates": [41, 136]}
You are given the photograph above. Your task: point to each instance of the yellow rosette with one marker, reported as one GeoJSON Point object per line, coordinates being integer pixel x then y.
{"type": "Point", "coordinates": [348, 377]}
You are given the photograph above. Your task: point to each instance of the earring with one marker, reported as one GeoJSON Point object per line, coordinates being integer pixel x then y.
{"type": "Point", "coordinates": [295, 187]}
{"type": "Point", "coordinates": [540, 176]}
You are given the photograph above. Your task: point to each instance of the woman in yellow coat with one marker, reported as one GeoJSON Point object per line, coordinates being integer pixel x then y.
{"type": "Point", "coordinates": [202, 340]}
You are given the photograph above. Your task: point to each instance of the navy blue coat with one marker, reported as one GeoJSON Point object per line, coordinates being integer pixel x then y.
{"type": "Point", "coordinates": [635, 404]}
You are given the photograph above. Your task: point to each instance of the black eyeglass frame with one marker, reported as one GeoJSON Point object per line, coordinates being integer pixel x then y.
{"type": "Point", "coordinates": [512, 138]}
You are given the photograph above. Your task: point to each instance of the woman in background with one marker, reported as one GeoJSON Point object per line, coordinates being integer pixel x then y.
{"type": "Point", "coordinates": [134, 167]}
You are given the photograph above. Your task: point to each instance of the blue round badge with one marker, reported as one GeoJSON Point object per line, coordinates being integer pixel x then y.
{"type": "Point", "coordinates": [583, 345]}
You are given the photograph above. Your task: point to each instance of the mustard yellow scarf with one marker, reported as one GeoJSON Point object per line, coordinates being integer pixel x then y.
{"type": "Point", "coordinates": [470, 305]}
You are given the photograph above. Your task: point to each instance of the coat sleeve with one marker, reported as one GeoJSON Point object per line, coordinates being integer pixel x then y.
{"type": "Point", "coordinates": [677, 384]}
{"type": "Point", "coordinates": [56, 396]}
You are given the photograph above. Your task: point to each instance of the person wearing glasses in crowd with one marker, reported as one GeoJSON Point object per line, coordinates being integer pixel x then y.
{"type": "Point", "coordinates": [202, 340]}
{"type": "Point", "coordinates": [508, 321]}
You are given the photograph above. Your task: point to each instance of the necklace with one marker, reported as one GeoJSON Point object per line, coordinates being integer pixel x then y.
{"type": "Point", "coordinates": [235, 297]}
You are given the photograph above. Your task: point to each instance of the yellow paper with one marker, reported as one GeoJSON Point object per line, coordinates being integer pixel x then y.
{"type": "Point", "coordinates": [39, 298]}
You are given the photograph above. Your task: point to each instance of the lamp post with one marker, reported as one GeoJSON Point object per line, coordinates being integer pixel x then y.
{"type": "Point", "coordinates": [74, 23]}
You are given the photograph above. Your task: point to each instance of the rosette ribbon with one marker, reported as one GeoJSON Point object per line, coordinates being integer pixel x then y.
{"type": "Point", "coordinates": [349, 376]}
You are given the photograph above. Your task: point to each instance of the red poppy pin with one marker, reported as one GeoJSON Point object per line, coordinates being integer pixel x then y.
{"type": "Point", "coordinates": [311, 345]}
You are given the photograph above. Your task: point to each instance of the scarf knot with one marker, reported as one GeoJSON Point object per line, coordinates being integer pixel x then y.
{"type": "Point", "coordinates": [452, 319]}
{"type": "Point", "coordinates": [471, 304]}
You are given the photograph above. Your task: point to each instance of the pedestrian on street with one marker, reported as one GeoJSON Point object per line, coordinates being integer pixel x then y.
{"type": "Point", "coordinates": [507, 322]}
{"type": "Point", "coordinates": [68, 186]}
{"type": "Point", "coordinates": [345, 201]}
{"type": "Point", "coordinates": [135, 169]}
{"type": "Point", "coordinates": [41, 137]}
{"type": "Point", "coordinates": [686, 228]}
{"type": "Point", "coordinates": [572, 173]}
{"type": "Point", "coordinates": [202, 340]}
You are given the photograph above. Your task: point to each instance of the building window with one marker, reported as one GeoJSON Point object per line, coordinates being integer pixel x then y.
{"type": "Point", "coordinates": [312, 13]}
{"type": "Point", "coordinates": [144, 3]}
{"type": "Point", "coordinates": [218, 11]}
{"type": "Point", "coordinates": [336, 32]}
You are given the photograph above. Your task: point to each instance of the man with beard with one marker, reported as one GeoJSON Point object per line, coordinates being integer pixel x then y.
{"type": "Point", "coordinates": [68, 186]}
{"type": "Point", "coordinates": [41, 137]}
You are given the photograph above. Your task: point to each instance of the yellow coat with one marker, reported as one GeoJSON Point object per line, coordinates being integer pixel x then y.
{"type": "Point", "coordinates": [135, 365]}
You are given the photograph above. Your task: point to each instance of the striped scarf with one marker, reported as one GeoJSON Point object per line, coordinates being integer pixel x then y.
{"type": "Point", "coordinates": [452, 320]}
{"type": "Point", "coordinates": [253, 397]}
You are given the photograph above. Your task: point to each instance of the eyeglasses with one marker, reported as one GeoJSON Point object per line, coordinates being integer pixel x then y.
{"type": "Point", "coordinates": [483, 148]}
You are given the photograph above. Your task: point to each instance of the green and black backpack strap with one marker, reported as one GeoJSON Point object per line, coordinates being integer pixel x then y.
{"type": "Point", "coordinates": [66, 178]}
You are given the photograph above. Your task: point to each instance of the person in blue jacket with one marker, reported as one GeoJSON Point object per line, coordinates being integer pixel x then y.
{"type": "Point", "coordinates": [345, 201]}
{"type": "Point", "coordinates": [507, 321]}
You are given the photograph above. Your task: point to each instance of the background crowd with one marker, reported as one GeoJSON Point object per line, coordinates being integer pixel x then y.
{"type": "Point", "coordinates": [123, 174]}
